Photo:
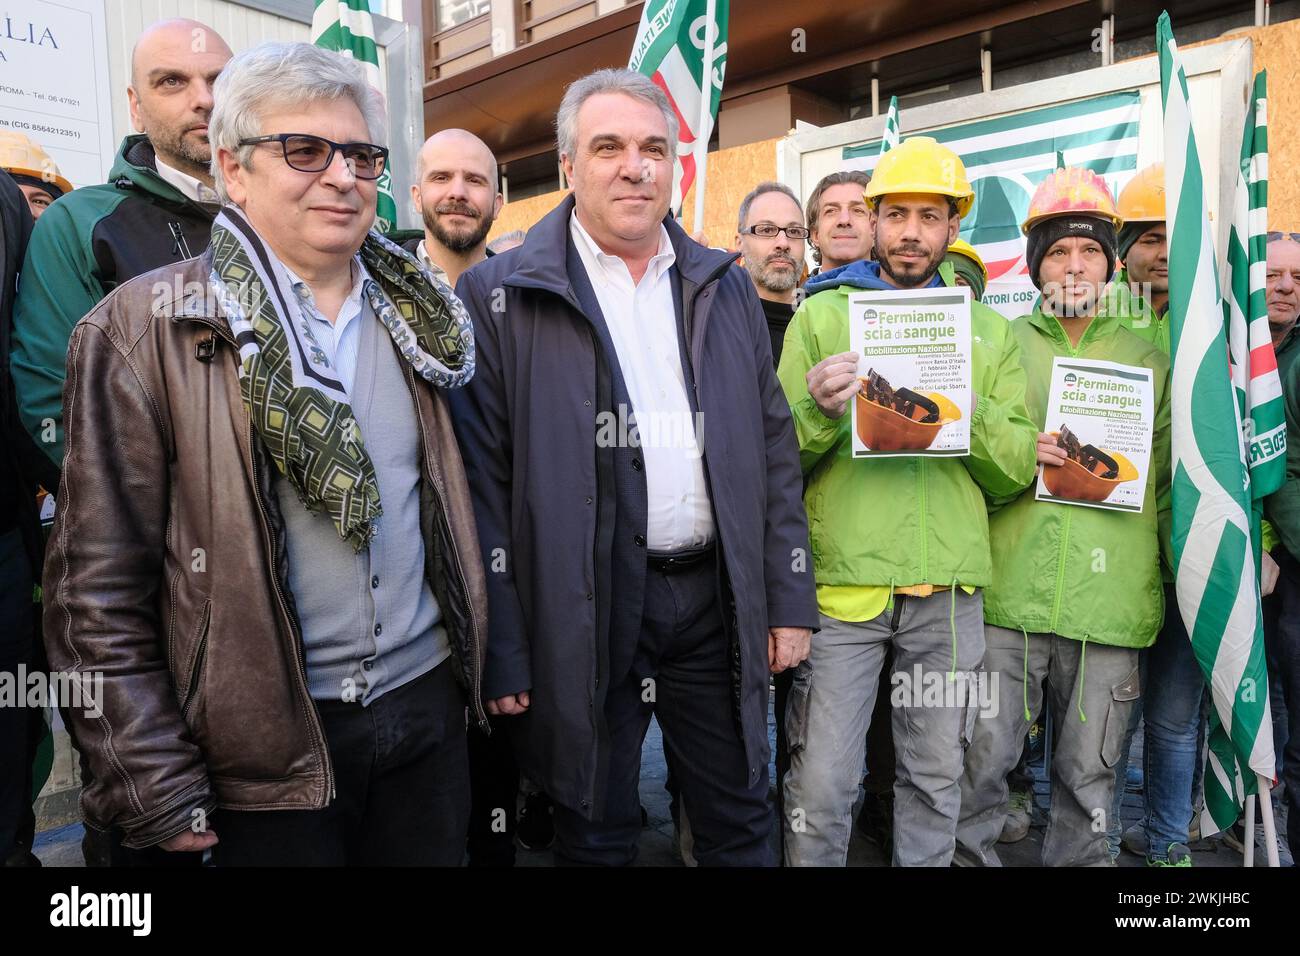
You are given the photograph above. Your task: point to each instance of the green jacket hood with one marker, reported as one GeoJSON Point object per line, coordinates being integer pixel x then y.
{"type": "Point", "coordinates": [906, 520]}
{"type": "Point", "coordinates": [135, 167]}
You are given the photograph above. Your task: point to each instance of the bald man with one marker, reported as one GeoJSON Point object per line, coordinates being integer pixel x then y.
{"type": "Point", "coordinates": [156, 208]}
{"type": "Point", "coordinates": [455, 192]}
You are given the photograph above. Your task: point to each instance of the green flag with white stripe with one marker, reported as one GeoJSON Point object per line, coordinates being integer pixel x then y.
{"type": "Point", "coordinates": [890, 138]}
{"type": "Point", "coordinates": [1214, 561]}
{"type": "Point", "coordinates": [1245, 309]}
{"type": "Point", "coordinates": [347, 27]}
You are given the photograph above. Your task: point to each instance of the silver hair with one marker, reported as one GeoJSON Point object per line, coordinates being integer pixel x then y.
{"type": "Point", "coordinates": [277, 75]}
{"type": "Point", "coordinates": [613, 80]}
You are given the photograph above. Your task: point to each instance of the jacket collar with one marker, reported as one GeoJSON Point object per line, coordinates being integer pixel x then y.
{"type": "Point", "coordinates": [863, 274]}
{"type": "Point", "coordinates": [192, 298]}
{"type": "Point", "coordinates": [1102, 323]}
{"type": "Point", "coordinates": [542, 262]}
{"type": "Point", "coordinates": [1288, 340]}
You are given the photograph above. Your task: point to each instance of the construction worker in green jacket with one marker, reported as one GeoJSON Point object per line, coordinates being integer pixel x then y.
{"type": "Point", "coordinates": [1139, 296]}
{"type": "Point", "coordinates": [900, 544]}
{"type": "Point", "coordinates": [1076, 591]}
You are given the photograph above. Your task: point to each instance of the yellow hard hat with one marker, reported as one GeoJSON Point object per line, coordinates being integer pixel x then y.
{"type": "Point", "coordinates": [1072, 190]}
{"type": "Point", "coordinates": [921, 165]}
{"type": "Point", "coordinates": [1143, 199]}
{"type": "Point", "coordinates": [22, 157]}
{"type": "Point", "coordinates": [963, 248]}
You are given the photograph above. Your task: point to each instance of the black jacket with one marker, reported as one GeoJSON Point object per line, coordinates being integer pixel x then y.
{"type": "Point", "coordinates": [22, 467]}
{"type": "Point", "coordinates": [545, 500]}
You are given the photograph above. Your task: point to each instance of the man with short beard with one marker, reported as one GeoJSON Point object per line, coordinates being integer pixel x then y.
{"type": "Point", "coordinates": [900, 544]}
{"type": "Point", "coordinates": [770, 236]}
{"type": "Point", "coordinates": [456, 195]}
{"type": "Point", "coordinates": [455, 192]}
{"type": "Point", "coordinates": [156, 209]}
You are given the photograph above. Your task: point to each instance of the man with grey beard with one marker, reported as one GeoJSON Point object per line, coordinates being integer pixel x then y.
{"type": "Point", "coordinates": [770, 235]}
{"type": "Point", "coordinates": [457, 197]}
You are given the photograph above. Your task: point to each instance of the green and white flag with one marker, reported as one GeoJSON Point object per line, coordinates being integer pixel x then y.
{"type": "Point", "coordinates": [347, 27]}
{"type": "Point", "coordinates": [890, 138]}
{"type": "Point", "coordinates": [1214, 562]}
{"type": "Point", "coordinates": [1006, 157]}
{"type": "Point", "coordinates": [675, 43]}
{"type": "Point", "coordinates": [1245, 309]}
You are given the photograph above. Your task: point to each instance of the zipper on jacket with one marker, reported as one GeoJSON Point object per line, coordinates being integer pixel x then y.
{"type": "Point", "coordinates": [1060, 568]}
{"type": "Point", "coordinates": [925, 542]}
{"type": "Point", "coordinates": [1065, 527]}
{"type": "Point", "coordinates": [191, 691]}
{"type": "Point", "coordinates": [180, 248]}
{"type": "Point", "coordinates": [476, 680]}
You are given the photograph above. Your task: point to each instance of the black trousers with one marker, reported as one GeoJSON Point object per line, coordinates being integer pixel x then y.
{"type": "Point", "coordinates": [681, 675]}
{"type": "Point", "coordinates": [401, 777]}
{"type": "Point", "coordinates": [20, 727]}
{"type": "Point", "coordinates": [494, 795]}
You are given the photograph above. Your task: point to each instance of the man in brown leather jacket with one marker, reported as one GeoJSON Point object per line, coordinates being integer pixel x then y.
{"type": "Point", "coordinates": [264, 540]}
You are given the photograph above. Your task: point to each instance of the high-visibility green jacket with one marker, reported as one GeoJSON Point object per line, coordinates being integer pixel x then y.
{"type": "Point", "coordinates": [913, 520]}
{"type": "Point", "coordinates": [1084, 573]}
{"type": "Point", "coordinates": [1135, 312]}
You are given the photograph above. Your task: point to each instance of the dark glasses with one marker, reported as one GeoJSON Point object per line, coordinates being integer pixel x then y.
{"type": "Point", "coordinates": [313, 154]}
{"type": "Point", "coordinates": [767, 230]}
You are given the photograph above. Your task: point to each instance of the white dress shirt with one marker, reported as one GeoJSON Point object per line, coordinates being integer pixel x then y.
{"type": "Point", "coordinates": [643, 326]}
{"type": "Point", "coordinates": [338, 339]}
{"type": "Point", "coordinates": [186, 185]}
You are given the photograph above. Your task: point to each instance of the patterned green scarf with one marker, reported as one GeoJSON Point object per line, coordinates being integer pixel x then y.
{"type": "Point", "coordinates": [291, 390]}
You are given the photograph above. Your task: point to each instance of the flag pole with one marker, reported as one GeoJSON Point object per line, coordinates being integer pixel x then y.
{"type": "Point", "coordinates": [706, 113]}
{"type": "Point", "coordinates": [1263, 787]}
{"type": "Point", "coordinates": [1248, 844]}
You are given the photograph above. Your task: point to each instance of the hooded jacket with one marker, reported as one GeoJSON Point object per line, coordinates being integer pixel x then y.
{"type": "Point", "coordinates": [906, 520]}
{"type": "Point", "coordinates": [84, 246]}
{"type": "Point", "coordinates": [1084, 573]}
{"type": "Point", "coordinates": [1135, 312]}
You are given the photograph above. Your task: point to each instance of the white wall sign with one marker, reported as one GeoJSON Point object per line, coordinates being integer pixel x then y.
{"type": "Point", "coordinates": [54, 83]}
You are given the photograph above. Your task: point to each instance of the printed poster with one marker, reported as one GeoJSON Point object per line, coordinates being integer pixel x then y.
{"type": "Point", "coordinates": [1103, 416]}
{"type": "Point", "coordinates": [914, 372]}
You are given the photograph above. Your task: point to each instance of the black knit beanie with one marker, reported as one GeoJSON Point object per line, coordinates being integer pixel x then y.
{"type": "Point", "coordinates": [1047, 233]}
{"type": "Point", "coordinates": [1131, 233]}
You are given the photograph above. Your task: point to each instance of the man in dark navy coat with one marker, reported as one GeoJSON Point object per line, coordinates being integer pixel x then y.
{"type": "Point", "coordinates": [638, 495]}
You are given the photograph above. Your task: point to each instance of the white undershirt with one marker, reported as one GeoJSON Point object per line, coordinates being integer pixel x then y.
{"type": "Point", "coordinates": [643, 326]}
{"type": "Point", "coordinates": [186, 185]}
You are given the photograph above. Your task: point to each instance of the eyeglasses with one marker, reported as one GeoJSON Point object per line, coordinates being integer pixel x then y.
{"type": "Point", "coordinates": [1274, 235]}
{"type": "Point", "coordinates": [313, 154]}
{"type": "Point", "coordinates": [767, 230]}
